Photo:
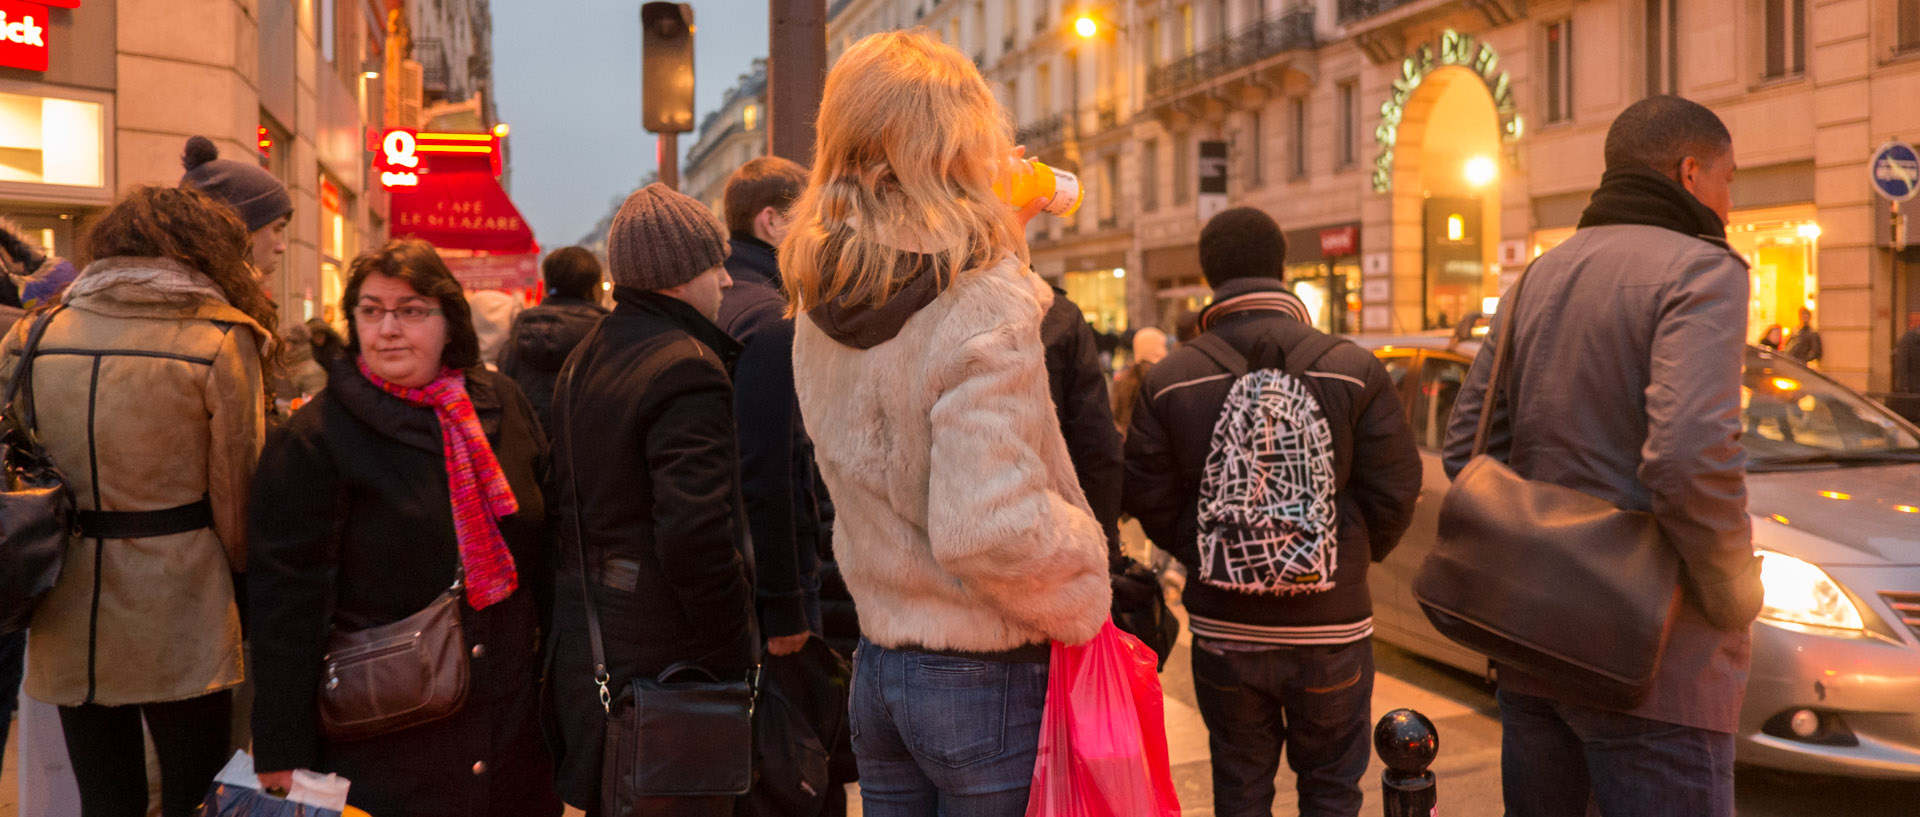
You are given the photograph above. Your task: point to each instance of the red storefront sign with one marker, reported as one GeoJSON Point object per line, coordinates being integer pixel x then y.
{"type": "Point", "coordinates": [496, 271]}
{"type": "Point", "coordinates": [1339, 241]}
{"type": "Point", "coordinates": [23, 33]}
{"type": "Point", "coordinates": [462, 210]}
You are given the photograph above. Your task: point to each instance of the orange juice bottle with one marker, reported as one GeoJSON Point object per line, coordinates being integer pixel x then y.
{"type": "Point", "coordinates": [1031, 179]}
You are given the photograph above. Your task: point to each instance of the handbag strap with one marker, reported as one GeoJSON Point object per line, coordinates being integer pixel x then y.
{"type": "Point", "coordinates": [1499, 379]}
{"type": "Point", "coordinates": [563, 395]}
{"type": "Point", "coordinates": [21, 383]}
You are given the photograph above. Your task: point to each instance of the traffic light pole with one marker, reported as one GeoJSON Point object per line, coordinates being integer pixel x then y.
{"type": "Point", "coordinates": [796, 74]}
{"type": "Point", "coordinates": [669, 159]}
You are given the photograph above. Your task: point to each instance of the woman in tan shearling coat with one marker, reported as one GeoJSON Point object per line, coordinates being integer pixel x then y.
{"type": "Point", "coordinates": [147, 393]}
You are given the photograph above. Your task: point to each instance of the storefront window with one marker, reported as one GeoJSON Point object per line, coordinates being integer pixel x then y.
{"type": "Point", "coordinates": [1101, 296]}
{"type": "Point", "coordinates": [336, 246]}
{"type": "Point", "coordinates": [1331, 293]}
{"type": "Point", "coordinates": [52, 141]}
{"type": "Point", "coordinates": [1780, 247]}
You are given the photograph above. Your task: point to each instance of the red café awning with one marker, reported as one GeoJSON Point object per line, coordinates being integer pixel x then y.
{"type": "Point", "coordinates": [451, 195]}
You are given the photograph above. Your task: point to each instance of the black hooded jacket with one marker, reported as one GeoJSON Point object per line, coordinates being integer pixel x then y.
{"type": "Point", "coordinates": [541, 339]}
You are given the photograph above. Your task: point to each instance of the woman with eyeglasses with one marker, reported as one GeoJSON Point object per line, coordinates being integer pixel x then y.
{"type": "Point", "coordinates": [416, 467]}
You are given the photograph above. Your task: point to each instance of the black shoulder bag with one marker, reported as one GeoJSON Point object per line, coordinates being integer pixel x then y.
{"type": "Point", "coordinates": [1545, 579]}
{"type": "Point", "coordinates": [686, 733]}
{"type": "Point", "coordinates": [37, 515]}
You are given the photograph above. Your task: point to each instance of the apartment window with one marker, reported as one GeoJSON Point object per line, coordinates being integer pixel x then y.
{"type": "Point", "coordinates": [1349, 123]}
{"type": "Point", "coordinates": [1256, 11]}
{"type": "Point", "coordinates": [1186, 30]}
{"type": "Point", "coordinates": [1256, 162]}
{"type": "Point", "coordinates": [1183, 160]}
{"type": "Point", "coordinates": [1013, 99]}
{"type": "Point", "coordinates": [1786, 37]}
{"type": "Point", "coordinates": [1907, 25]}
{"type": "Point", "coordinates": [980, 26]}
{"type": "Point", "coordinates": [1298, 165]}
{"type": "Point", "coordinates": [1109, 191]}
{"type": "Point", "coordinates": [1220, 21]}
{"type": "Point", "coordinates": [1043, 90]}
{"type": "Point", "coordinates": [1560, 71]}
{"type": "Point", "coordinates": [1151, 47]}
{"type": "Point", "coordinates": [1150, 175]}
{"type": "Point", "coordinates": [1663, 50]}
{"type": "Point", "coordinates": [1012, 21]}
{"type": "Point", "coordinates": [325, 28]}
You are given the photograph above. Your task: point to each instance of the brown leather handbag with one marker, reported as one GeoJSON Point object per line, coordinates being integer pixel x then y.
{"type": "Point", "coordinates": [395, 676]}
{"type": "Point", "coordinates": [1545, 579]}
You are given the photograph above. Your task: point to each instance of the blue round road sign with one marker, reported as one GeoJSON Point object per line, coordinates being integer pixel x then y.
{"type": "Point", "coordinates": [1895, 171]}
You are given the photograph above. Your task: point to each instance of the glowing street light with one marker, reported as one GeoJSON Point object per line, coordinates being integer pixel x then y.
{"type": "Point", "coordinates": [1481, 171]}
{"type": "Point", "coordinates": [1086, 27]}
{"type": "Point", "coordinates": [501, 130]}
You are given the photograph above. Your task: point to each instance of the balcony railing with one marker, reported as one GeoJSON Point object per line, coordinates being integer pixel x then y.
{"type": "Point", "coordinates": [1351, 10]}
{"type": "Point", "coordinates": [1043, 133]}
{"type": "Point", "coordinates": [1108, 115]}
{"type": "Point", "coordinates": [435, 70]}
{"type": "Point", "coordinates": [1252, 44]}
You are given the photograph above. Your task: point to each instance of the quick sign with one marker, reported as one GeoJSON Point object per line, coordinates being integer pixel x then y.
{"type": "Point", "coordinates": [398, 160]}
{"type": "Point", "coordinates": [1458, 49]}
{"type": "Point", "coordinates": [23, 34]}
{"type": "Point", "coordinates": [1895, 171]}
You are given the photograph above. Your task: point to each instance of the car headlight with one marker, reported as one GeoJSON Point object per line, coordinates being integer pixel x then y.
{"type": "Point", "coordinates": [1800, 593]}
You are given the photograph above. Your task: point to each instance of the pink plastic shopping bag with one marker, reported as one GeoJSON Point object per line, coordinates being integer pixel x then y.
{"type": "Point", "coordinates": [1103, 738]}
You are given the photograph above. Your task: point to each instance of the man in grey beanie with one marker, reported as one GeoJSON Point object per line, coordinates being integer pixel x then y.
{"type": "Point", "coordinates": [260, 199]}
{"type": "Point", "coordinates": [646, 472]}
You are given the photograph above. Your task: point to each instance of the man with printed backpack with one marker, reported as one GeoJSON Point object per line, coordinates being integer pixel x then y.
{"type": "Point", "coordinates": [1275, 462]}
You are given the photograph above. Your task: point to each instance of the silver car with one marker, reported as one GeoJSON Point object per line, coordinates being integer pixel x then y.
{"type": "Point", "coordinates": [1833, 484]}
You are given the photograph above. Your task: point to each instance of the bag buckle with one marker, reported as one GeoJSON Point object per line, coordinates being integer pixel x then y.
{"type": "Point", "coordinates": [601, 678]}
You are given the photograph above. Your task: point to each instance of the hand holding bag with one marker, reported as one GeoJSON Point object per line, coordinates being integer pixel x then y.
{"type": "Point", "coordinates": [1103, 736]}
{"type": "Point", "coordinates": [37, 516]}
{"type": "Point", "coordinates": [1543, 578]}
{"type": "Point", "coordinates": [394, 676]}
{"type": "Point", "coordinates": [685, 733]}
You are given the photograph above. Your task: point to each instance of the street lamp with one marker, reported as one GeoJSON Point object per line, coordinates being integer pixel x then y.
{"type": "Point", "coordinates": [1086, 27]}
{"type": "Point", "coordinates": [1481, 171]}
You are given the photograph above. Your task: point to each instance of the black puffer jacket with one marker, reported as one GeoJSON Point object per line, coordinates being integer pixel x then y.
{"type": "Point", "coordinates": [652, 448]}
{"type": "Point", "coordinates": [350, 525]}
{"type": "Point", "coordinates": [541, 339]}
{"type": "Point", "coordinates": [1377, 474]}
{"type": "Point", "coordinates": [1080, 399]}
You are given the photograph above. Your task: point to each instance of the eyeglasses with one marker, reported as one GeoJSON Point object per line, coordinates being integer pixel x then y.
{"type": "Point", "coordinates": [372, 315]}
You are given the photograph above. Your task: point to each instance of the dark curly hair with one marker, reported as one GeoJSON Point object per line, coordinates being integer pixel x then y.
{"type": "Point", "coordinates": [196, 230]}
{"type": "Point", "coordinates": [415, 262]}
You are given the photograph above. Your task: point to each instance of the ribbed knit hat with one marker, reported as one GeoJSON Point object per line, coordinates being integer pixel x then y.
{"type": "Point", "coordinates": [661, 239]}
{"type": "Point", "coordinates": [248, 188]}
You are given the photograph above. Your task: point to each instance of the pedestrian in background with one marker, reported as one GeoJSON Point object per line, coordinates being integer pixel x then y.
{"type": "Point", "coordinates": [415, 467]}
{"type": "Point", "coordinates": [328, 346]}
{"type": "Point", "coordinates": [1637, 404]}
{"type": "Point", "coordinates": [544, 335]}
{"type": "Point", "coordinates": [776, 457]}
{"type": "Point", "coordinates": [646, 475]}
{"type": "Point", "coordinates": [1077, 382]}
{"type": "Point", "coordinates": [1804, 345]}
{"type": "Point", "coordinates": [1149, 347]}
{"type": "Point", "coordinates": [154, 409]}
{"type": "Point", "coordinates": [1906, 370]}
{"type": "Point", "coordinates": [493, 317]}
{"type": "Point", "coordinates": [260, 199]}
{"type": "Point", "coordinates": [1280, 659]}
{"type": "Point", "coordinates": [961, 528]}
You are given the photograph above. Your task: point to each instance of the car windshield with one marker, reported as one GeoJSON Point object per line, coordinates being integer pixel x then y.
{"type": "Point", "coordinates": [1794, 417]}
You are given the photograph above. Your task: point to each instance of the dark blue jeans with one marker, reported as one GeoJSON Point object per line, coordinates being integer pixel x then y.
{"type": "Point", "coordinates": [946, 736]}
{"type": "Point", "coordinates": [1555, 756]}
{"type": "Point", "coordinates": [1313, 701]}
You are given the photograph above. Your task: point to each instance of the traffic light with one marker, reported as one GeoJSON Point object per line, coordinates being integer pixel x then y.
{"type": "Point", "coordinates": [666, 67]}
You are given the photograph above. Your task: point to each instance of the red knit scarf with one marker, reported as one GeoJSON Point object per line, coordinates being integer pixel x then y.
{"type": "Point", "coordinates": [474, 480]}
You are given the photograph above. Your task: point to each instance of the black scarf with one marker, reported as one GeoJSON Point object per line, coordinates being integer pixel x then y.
{"type": "Point", "coordinates": [1638, 195]}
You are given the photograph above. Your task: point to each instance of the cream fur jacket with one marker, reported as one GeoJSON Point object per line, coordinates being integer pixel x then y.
{"type": "Point", "coordinates": [959, 524]}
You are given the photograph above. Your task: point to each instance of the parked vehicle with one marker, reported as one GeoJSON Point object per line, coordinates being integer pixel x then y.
{"type": "Point", "coordinates": [1834, 491]}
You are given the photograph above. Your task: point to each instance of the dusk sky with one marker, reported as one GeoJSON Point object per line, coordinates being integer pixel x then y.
{"type": "Point", "coordinates": [568, 79]}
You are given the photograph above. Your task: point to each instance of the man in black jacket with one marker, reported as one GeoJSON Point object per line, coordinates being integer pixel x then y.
{"type": "Point", "coordinates": [1086, 419]}
{"type": "Point", "coordinates": [1293, 665]}
{"type": "Point", "coordinates": [776, 457]}
{"type": "Point", "coordinates": [543, 336]}
{"type": "Point", "coordinates": [645, 470]}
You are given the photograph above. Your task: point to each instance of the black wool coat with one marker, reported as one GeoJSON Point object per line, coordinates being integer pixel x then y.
{"type": "Point", "coordinates": [541, 339]}
{"type": "Point", "coordinates": [1081, 400]}
{"type": "Point", "coordinates": [350, 526]}
{"type": "Point", "coordinates": [647, 427]}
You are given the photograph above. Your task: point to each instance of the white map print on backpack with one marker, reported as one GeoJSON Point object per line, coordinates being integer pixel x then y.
{"type": "Point", "coordinates": [1267, 517]}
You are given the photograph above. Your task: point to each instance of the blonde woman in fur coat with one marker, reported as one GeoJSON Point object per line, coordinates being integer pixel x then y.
{"type": "Point", "coordinates": [961, 530]}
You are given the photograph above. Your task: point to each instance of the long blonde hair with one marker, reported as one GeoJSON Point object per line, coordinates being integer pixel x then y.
{"type": "Point", "coordinates": [909, 140]}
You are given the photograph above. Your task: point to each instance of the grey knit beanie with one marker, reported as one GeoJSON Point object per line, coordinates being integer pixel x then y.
{"type": "Point", "coordinates": [661, 239]}
{"type": "Point", "coordinates": [248, 188]}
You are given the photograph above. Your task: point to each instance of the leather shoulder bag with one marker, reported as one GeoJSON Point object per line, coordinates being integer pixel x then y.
{"type": "Point", "coordinates": [395, 676]}
{"type": "Point", "coordinates": [1545, 579]}
{"type": "Point", "coordinates": [37, 516]}
{"type": "Point", "coordinates": [684, 733]}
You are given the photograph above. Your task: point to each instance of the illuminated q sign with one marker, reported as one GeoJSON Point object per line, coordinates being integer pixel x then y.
{"type": "Point", "coordinates": [398, 160]}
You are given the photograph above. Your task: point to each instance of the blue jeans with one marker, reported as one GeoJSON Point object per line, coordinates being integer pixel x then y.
{"type": "Point", "coordinates": [1555, 756]}
{"type": "Point", "coordinates": [940, 735]}
{"type": "Point", "coordinates": [1313, 701]}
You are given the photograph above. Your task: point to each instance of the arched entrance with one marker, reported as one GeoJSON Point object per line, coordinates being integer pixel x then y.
{"type": "Point", "coordinates": [1447, 177]}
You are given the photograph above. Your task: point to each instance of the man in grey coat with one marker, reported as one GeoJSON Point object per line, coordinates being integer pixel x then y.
{"type": "Point", "coordinates": [1637, 403]}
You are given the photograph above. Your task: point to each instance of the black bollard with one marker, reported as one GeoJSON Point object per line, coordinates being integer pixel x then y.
{"type": "Point", "coordinates": [1407, 742]}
